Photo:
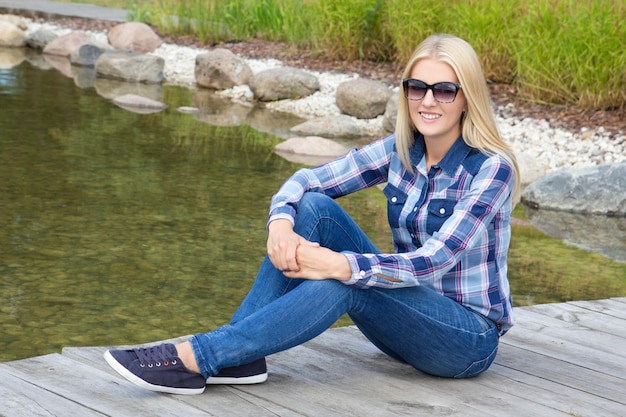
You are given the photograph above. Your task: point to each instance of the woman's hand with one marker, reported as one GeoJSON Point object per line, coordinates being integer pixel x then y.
{"type": "Point", "coordinates": [282, 243]}
{"type": "Point", "coordinates": [319, 263]}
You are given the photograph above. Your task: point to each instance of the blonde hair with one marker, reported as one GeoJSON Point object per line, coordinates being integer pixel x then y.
{"type": "Point", "coordinates": [478, 125]}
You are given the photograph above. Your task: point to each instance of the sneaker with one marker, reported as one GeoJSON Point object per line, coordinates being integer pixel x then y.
{"type": "Point", "coordinates": [157, 368]}
{"type": "Point", "coordinates": [250, 373]}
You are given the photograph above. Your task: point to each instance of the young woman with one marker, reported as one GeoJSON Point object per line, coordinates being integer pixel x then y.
{"type": "Point", "coordinates": [440, 302]}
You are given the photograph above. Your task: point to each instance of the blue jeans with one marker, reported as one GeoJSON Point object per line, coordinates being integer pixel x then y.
{"type": "Point", "coordinates": [432, 333]}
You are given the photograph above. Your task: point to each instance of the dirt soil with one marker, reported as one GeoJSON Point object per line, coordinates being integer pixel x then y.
{"type": "Point", "coordinates": [570, 118]}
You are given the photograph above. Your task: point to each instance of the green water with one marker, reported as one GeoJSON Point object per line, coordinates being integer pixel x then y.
{"type": "Point", "coordinates": [120, 228]}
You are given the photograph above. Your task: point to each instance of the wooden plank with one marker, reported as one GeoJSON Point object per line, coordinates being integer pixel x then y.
{"type": "Point", "coordinates": [20, 397]}
{"type": "Point", "coordinates": [96, 390]}
{"type": "Point", "coordinates": [575, 333]}
{"type": "Point", "coordinates": [564, 374]}
{"type": "Point", "coordinates": [535, 389]}
{"type": "Point", "coordinates": [612, 307]}
{"type": "Point", "coordinates": [571, 313]}
{"type": "Point", "coordinates": [556, 344]}
{"type": "Point", "coordinates": [341, 373]}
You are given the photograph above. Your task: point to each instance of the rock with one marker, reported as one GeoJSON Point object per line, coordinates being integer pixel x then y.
{"type": "Point", "coordinates": [329, 126]}
{"type": "Point", "coordinates": [130, 66]}
{"type": "Point", "coordinates": [11, 35]}
{"type": "Point", "coordinates": [86, 55]}
{"type": "Point", "coordinates": [134, 36]}
{"type": "Point", "coordinates": [188, 110]}
{"type": "Point", "coordinates": [310, 150]}
{"type": "Point", "coordinates": [220, 69]}
{"type": "Point", "coordinates": [40, 38]}
{"type": "Point", "coordinates": [66, 44]}
{"type": "Point", "coordinates": [531, 168]}
{"type": "Point", "coordinates": [139, 104]}
{"type": "Point", "coordinates": [362, 98]}
{"type": "Point", "coordinates": [391, 113]}
{"type": "Point", "coordinates": [13, 19]}
{"type": "Point", "coordinates": [591, 190]}
{"type": "Point", "coordinates": [282, 83]}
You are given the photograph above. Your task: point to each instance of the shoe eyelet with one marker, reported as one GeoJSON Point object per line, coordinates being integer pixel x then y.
{"type": "Point", "coordinates": [143, 365]}
{"type": "Point", "coordinates": [158, 364]}
{"type": "Point", "coordinates": [166, 363]}
{"type": "Point", "coordinates": [174, 362]}
{"type": "Point", "coordinates": [150, 365]}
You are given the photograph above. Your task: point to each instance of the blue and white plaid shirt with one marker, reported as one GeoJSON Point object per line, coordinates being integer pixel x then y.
{"type": "Point", "coordinates": [450, 226]}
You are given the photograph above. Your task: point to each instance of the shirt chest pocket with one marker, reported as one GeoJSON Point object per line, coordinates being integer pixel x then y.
{"type": "Point", "coordinates": [439, 210]}
{"type": "Point", "coordinates": [395, 203]}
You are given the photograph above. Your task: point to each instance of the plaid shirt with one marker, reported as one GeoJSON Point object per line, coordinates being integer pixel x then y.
{"type": "Point", "coordinates": [450, 225]}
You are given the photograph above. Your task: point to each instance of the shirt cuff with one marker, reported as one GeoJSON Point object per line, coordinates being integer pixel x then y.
{"type": "Point", "coordinates": [361, 270]}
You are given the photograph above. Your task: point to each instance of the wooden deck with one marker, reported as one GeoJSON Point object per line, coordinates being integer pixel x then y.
{"type": "Point", "coordinates": [559, 360]}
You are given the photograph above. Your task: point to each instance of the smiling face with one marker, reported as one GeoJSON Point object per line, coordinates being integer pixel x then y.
{"type": "Point", "coordinates": [440, 123]}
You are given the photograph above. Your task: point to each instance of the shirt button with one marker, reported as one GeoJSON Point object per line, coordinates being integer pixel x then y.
{"type": "Point", "coordinates": [394, 199]}
{"type": "Point", "coordinates": [442, 211]}
{"type": "Point", "coordinates": [362, 273]}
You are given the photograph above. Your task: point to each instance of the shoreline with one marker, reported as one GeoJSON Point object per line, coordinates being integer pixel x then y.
{"type": "Point", "coordinates": [534, 140]}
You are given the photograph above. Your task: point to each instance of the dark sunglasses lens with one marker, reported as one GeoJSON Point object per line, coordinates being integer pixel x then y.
{"type": "Point", "coordinates": [444, 92]}
{"type": "Point", "coordinates": [414, 89]}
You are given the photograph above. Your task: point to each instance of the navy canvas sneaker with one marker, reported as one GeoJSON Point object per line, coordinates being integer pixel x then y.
{"type": "Point", "coordinates": [250, 373]}
{"type": "Point", "coordinates": [157, 368]}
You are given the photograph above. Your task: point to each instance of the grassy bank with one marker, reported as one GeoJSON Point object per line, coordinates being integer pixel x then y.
{"type": "Point", "coordinates": [558, 52]}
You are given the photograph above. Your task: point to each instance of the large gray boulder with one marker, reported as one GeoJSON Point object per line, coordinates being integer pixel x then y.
{"type": "Point", "coordinates": [283, 83]}
{"type": "Point", "coordinates": [220, 69]}
{"type": "Point", "coordinates": [341, 126]}
{"type": "Point", "coordinates": [130, 66]}
{"type": "Point", "coordinates": [362, 98]}
{"type": "Point", "coordinates": [134, 36]}
{"type": "Point", "coordinates": [11, 35]}
{"type": "Point", "coordinates": [591, 190]}
{"type": "Point", "coordinates": [40, 38]}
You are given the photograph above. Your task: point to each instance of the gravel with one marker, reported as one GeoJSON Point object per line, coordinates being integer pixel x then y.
{"type": "Point", "coordinates": [549, 147]}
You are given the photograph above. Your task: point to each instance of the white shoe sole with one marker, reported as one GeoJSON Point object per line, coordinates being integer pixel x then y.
{"type": "Point", "coordinates": [247, 380]}
{"type": "Point", "coordinates": [120, 369]}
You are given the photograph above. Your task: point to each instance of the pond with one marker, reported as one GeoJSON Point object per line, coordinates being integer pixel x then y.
{"type": "Point", "coordinates": [118, 227]}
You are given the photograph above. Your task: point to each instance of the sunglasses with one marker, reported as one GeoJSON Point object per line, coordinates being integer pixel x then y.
{"type": "Point", "coordinates": [443, 92]}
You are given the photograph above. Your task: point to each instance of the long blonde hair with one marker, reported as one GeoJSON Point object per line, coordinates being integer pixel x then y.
{"type": "Point", "coordinates": [478, 125]}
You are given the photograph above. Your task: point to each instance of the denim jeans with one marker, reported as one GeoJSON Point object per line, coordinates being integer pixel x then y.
{"type": "Point", "coordinates": [431, 332]}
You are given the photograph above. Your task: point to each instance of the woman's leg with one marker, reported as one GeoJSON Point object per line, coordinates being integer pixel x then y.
{"type": "Point", "coordinates": [320, 219]}
{"type": "Point", "coordinates": [431, 332]}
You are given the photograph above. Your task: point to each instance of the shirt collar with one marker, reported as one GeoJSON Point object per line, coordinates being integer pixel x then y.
{"type": "Point", "coordinates": [455, 156]}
